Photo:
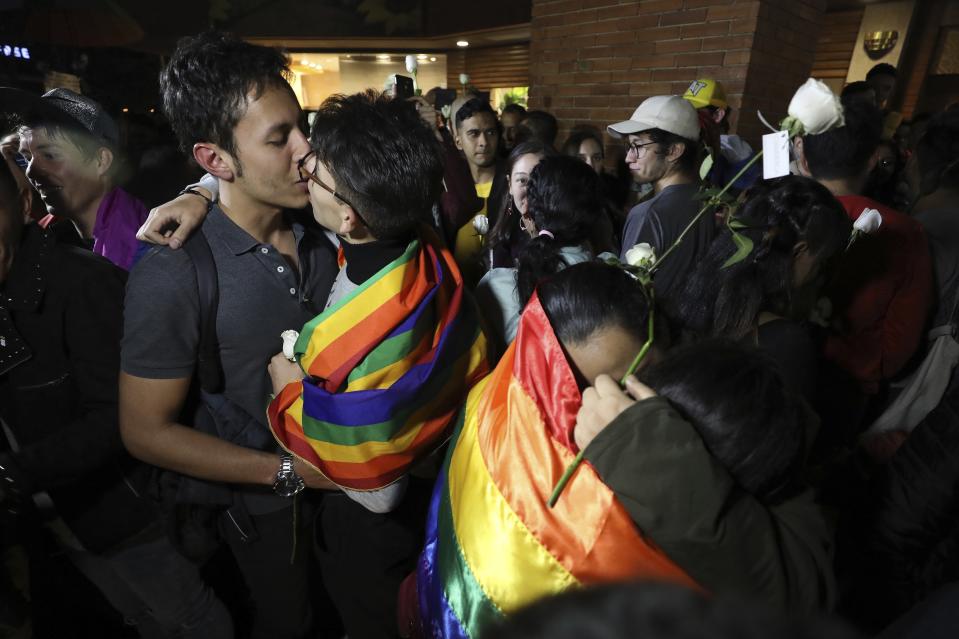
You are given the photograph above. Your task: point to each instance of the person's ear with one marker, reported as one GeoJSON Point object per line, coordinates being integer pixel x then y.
{"type": "Point", "coordinates": [214, 160]}
{"type": "Point", "coordinates": [456, 138]}
{"type": "Point", "coordinates": [104, 160]}
{"type": "Point", "coordinates": [676, 151]}
{"type": "Point", "coordinates": [799, 248]}
{"type": "Point", "coordinates": [350, 223]}
{"type": "Point", "coordinates": [873, 160]}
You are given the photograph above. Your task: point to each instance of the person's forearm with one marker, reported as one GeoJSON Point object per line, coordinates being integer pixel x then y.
{"type": "Point", "coordinates": [191, 452]}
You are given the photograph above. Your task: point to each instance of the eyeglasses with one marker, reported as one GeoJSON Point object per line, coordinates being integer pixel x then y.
{"type": "Point", "coordinates": [637, 148]}
{"type": "Point", "coordinates": [308, 175]}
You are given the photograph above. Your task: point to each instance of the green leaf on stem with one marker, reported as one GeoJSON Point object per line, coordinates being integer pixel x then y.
{"type": "Point", "coordinates": [705, 167]}
{"type": "Point", "coordinates": [744, 247]}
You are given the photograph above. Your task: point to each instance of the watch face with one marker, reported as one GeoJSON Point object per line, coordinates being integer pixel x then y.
{"type": "Point", "coordinates": [288, 486]}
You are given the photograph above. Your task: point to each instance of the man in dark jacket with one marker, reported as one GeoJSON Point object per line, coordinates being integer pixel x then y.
{"type": "Point", "coordinates": [60, 324]}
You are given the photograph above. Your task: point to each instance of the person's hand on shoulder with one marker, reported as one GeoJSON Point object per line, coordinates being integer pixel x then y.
{"type": "Point", "coordinates": [602, 403]}
{"type": "Point", "coordinates": [172, 223]}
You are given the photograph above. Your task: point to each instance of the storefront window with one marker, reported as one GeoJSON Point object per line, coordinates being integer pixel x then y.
{"type": "Point", "coordinates": [316, 76]}
{"type": "Point", "coordinates": [499, 98]}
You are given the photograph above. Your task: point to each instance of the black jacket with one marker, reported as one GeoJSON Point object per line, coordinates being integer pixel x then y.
{"type": "Point", "coordinates": [64, 305]}
{"type": "Point", "coordinates": [900, 542]}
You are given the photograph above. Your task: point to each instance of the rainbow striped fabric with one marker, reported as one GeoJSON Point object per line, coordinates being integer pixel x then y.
{"type": "Point", "coordinates": [493, 544]}
{"type": "Point", "coordinates": [388, 367]}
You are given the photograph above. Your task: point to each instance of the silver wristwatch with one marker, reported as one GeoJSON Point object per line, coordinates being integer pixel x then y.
{"type": "Point", "coordinates": [287, 483]}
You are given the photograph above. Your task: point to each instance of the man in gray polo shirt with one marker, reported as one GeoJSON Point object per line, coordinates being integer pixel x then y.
{"type": "Point", "coordinates": [663, 150]}
{"type": "Point", "coordinates": [231, 107]}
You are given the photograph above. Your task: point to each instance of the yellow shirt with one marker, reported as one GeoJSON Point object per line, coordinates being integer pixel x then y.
{"type": "Point", "coordinates": [469, 244]}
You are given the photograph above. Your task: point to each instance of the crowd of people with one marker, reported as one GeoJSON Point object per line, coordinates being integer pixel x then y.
{"type": "Point", "coordinates": [393, 375]}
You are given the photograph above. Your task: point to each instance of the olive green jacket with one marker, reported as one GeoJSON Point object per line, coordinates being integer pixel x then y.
{"type": "Point", "coordinates": [685, 501]}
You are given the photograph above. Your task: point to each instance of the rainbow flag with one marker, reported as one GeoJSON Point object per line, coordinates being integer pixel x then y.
{"type": "Point", "coordinates": [388, 369]}
{"type": "Point", "coordinates": [493, 545]}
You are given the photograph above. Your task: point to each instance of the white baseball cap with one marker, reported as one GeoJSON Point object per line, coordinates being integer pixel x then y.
{"type": "Point", "coordinates": [667, 112]}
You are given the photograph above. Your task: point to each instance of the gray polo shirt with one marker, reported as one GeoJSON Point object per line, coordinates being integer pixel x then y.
{"type": "Point", "coordinates": [261, 296]}
{"type": "Point", "coordinates": [659, 221]}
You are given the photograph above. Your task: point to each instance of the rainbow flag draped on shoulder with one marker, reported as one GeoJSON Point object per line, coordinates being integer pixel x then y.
{"type": "Point", "coordinates": [493, 545]}
{"type": "Point", "coordinates": [388, 367]}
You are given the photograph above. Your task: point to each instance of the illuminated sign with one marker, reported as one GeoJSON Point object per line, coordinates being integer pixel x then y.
{"type": "Point", "coordinates": [8, 51]}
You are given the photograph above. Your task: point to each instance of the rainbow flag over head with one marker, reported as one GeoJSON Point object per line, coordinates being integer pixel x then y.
{"type": "Point", "coordinates": [493, 545]}
{"type": "Point", "coordinates": [388, 369]}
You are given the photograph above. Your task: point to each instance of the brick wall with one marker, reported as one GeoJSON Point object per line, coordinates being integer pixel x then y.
{"type": "Point", "coordinates": [835, 44]}
{"type": "Point", "coordinates": [594, 61]}
{"type": "Point", "coordinates": [490, 67]}
{"type": "Point", "coordinates": [781, 59]}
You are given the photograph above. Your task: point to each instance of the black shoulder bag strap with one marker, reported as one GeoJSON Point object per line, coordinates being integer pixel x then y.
{"type": "Point", "coordinates": [209, 368]}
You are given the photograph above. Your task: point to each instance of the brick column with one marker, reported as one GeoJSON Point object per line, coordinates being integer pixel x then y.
{"type": "Point", "coordinates": [594, 61]}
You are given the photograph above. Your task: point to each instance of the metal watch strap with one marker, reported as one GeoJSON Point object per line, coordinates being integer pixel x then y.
{"type": "Point", "coordinates": [287, 483]}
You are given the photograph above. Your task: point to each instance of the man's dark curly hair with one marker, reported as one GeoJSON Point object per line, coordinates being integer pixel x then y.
{"type": "Point", "coordinates": [384, 159]}
{"type": "Point", "coordinates": [209, 82]}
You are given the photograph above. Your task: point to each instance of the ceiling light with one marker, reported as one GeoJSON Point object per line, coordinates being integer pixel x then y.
{"type": "Point", "coordinates": [125, 109]}
{"type": "Point", "coordinates": [383, 56]}
{"type": "Point", "coordinates": [422, 56]}
{"type": "Point", "coordinates": [432, 58]}
{"type": "Point", "coordinates": [462, 43]}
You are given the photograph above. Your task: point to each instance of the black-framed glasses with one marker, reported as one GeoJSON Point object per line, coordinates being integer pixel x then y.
{"type": "Point", "coordinates": [311, 175]}
{"type": "Point", "coordinates": [636, 148]}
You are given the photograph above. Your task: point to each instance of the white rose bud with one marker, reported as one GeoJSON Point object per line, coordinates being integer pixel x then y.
{"type": "Point", "coordinates": [464, 79]}
{"type": "Point", "coordinates": [481, 224]}
{"type": "Point", "coordinates": [817, 107]}
{"type": "Point", "coordinates": [641, 255]}
{"type": "Point", "coordinates": [289, 343]}
{"type": "Point", "coordinates": [868, 221]}
{"type": "Point", "coordinates": [411, 64]}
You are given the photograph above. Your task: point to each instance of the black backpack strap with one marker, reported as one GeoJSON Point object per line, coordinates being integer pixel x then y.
{"type": "Point", "coordinates": [209, 368]}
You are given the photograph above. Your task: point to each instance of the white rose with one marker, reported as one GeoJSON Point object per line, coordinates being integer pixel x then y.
{"type": "Point", "coordinates": [411, 64]}
{"type": "Point", "coordinates": [481, 224]}
{"type": "Point", "coordinates": [289, 343]}
{"type": "Point", "coordinates": [816, 107]}
{"type": "Point", "coordinates": [464, 79]}
{"type": "Point", "coordinates": [641, 255]}
{"type": "Point", "coordinates": [868, 221]}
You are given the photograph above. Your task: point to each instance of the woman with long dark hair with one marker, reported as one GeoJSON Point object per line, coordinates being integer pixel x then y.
{"type": "Point", "coordinates": [563, 198]}
{"type": "Point", "coordinates": [796, 226]}
{"type": "Point", "coordinates": [506, 239]}
{"type": "Point", "coordinates": [586, 143]}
